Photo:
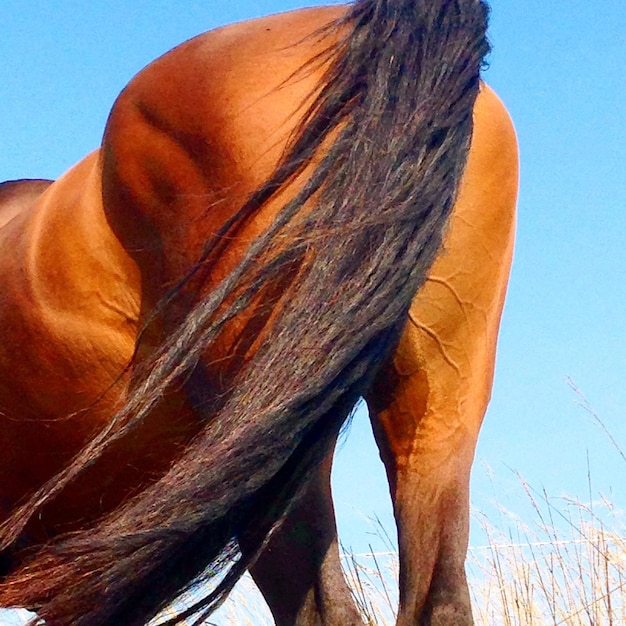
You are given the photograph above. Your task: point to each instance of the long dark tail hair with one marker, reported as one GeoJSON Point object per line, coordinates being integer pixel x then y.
{"type": "Point", "coordinates": [363, 231]}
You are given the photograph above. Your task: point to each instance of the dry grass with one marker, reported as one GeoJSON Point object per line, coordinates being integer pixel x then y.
{"type": "Point", "coordinates": [568, 567]}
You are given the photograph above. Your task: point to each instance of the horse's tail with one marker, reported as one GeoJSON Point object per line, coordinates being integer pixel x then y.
{"type": "Point", "coordinates": [398, 100]}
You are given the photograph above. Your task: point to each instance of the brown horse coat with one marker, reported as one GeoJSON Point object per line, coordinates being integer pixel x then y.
{"type": "Point", "coordinates": [86, 262]}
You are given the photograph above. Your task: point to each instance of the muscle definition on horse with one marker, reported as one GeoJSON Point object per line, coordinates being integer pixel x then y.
{"type": "Point", "coordinates": [189, 315]}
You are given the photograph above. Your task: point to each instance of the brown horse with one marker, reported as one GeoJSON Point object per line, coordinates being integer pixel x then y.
{"type": "Point", "coordinates": [190, 314]}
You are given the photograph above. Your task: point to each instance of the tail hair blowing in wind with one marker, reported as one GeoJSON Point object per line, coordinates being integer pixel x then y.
{"type": "Point", "coordinates": [399, 95]}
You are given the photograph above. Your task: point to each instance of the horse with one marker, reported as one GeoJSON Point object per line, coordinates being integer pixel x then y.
{"type": "Point", "coordinates": [190, 314]}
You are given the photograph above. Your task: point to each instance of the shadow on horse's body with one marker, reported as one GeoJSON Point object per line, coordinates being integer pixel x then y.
{"type": "Point", "coordinates": [254, 308]}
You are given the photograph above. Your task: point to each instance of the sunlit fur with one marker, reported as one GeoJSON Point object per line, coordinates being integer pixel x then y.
{"type": "Point", "coordinates": [363, 231]}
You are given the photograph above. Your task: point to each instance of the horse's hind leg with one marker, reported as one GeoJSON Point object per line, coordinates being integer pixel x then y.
{"type": "Point", "coordinates": [427, 446]}
{"type": "Point", "coordinates": [427, 405]}
{"type": "Point", "coordinates": [299, 573]}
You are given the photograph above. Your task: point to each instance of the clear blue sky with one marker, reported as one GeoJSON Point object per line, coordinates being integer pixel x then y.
{"type": "Point", "coordinates": [559, 66]}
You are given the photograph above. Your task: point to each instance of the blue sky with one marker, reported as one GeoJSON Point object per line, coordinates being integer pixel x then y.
{"type": "Point", "coordinates": [559, 67]}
